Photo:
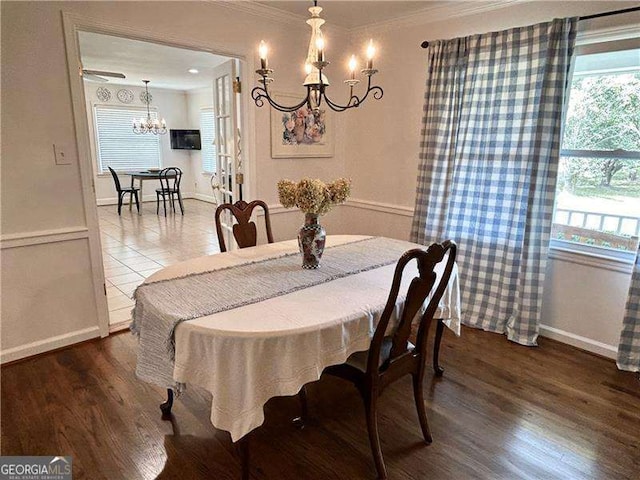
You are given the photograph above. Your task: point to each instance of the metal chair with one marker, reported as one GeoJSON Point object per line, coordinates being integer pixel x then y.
{"type": "Point", "coordinates": [391, 357]}
{"type": "Point", "coordinates": [170, 178]}
{"type": "Point", "coordinates": [123, 191]}
{"type": "Point", "coordinates": [244, 231]}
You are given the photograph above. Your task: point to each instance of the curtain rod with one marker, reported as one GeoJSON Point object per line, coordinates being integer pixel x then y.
{"type": "Point", "coordinates": [425, 44]}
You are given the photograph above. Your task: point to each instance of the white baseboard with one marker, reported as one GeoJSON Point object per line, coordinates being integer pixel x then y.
{"type": "Point", "coordinates": [146, 198]}
{"type": "Point", "coordinates": [41, 346]}
{"type": "Point", "coordinates": [204, 198]}
{"type": "Point", "coordinates": [578, 341]}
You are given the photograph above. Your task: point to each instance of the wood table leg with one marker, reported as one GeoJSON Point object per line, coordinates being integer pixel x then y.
{"type": "Point", "coordinates": [436, 349]}
{"type": "Point", "coordinates": [304, 407]}
{"type": "Point", "coordinates": [141, 197]}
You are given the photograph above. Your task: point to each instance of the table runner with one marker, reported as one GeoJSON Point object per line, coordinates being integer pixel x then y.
{"type": "Point", "coordinates": [161, 306]}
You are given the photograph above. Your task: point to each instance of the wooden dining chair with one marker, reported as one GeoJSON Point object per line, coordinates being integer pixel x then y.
{"type": "Point", "coordinates": [393, 356]}
{"type": "Point", "coordinates": [244, 231]}
{"type": "Point", "coordinates": [170, 178]}
{"type": "Point", "coordinates": [123, 191]}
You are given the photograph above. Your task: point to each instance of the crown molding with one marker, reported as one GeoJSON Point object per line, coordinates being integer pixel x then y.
{"type": "Point", "coordinates": [436, 14]}
{"type": "Point", "coordinates": [274, 14]}
{"type": "Point", "coordinates": [623, 32]}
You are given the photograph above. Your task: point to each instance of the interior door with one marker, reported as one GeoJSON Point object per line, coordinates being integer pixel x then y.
{"type": "Point", "coordinates": [225, 117]}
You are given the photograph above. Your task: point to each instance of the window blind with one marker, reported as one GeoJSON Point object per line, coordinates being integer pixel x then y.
{"type": "Point", "coordinates": [116, 144]}
{"type": "Point", "coordinates": [207, 136]}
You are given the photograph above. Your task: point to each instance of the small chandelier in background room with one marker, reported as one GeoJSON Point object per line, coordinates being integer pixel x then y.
{"type": "Point", "coordinates": [149, 125]}
{"type": "Point", "coordinates": [316, 81]}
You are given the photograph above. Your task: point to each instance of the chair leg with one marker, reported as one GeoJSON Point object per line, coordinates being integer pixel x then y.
{"type": "Point", "coordinates": [157, 203]}
{"type": "Point", "coordinates": [164, 204]}
{"type": "Point", "coordinates": [120, 197]}
{"type": "Point", "coordinates": [418, 395]}
{"type": "Point", "coordinates": [166, 406]}
{"type": "Point", "coordinates": [180, 203]}
{"type": "Point", "coordinates": [173, 202]}
{"type": "Point", "coordinates": [371, 408]}
{"type": "Point", "coordinates": [436, 349]}
{"type": "Point", "coordinates": [135, 193]}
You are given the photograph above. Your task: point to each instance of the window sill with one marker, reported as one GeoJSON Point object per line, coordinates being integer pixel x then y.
{"type": "Point", "coordinates": [598, 257]}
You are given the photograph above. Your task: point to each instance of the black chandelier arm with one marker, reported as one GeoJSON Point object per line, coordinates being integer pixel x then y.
{"type": "Point", "coordinates": [259, 94]}
{"type": "Point", "coordinates": [377, 91]}
{"type": "Point", "coordinates": [354, 101]}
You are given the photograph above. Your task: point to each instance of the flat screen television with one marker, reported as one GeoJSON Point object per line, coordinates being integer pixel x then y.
{"type": "Point", "coordinates": [185, 139]}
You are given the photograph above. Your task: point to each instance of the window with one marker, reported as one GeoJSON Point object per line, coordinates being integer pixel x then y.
{"type": "Point", "coordinates": [116, 144]}
{"type": "Point", "coordinates": [598, 197]}
{"type": "Point", "coordinates": [207, 136]}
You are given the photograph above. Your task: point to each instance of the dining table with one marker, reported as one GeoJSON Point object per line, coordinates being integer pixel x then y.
{"type": "Point", "coordinates": [250, 324]}
{"type": "Point", "coordinates": [142, 176]}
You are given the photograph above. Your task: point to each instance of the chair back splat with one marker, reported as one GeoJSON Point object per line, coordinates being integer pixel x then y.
{"type": "Point", "coordinates": [170, 179]}
{"type": "Point", "coordinates": [116, 180]}
{"type": "Point", "coordinates": [419, 289]}
{"type": "Point", "coordinates": [244, 231]}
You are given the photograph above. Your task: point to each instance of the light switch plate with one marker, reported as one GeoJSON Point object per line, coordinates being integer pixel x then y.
{"type": "Point", "coordinates": [61, 154]}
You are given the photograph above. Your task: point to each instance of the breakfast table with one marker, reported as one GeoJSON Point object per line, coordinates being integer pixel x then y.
{"type": "Point", "coordinates": [248, 325]}
{"type": "Point", "coordinates": [152, 174]}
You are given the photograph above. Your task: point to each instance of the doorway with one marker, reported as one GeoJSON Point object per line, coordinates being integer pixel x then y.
{"type": "Point", "coordinates": [194, 90]}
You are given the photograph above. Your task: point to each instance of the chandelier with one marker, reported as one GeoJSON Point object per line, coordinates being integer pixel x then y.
{"type": "Point", "coordinates": [316, 81]}
{"type": "Point", "coordinates": [150, 125]}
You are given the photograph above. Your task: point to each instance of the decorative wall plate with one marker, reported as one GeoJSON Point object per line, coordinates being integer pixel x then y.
{"type": "Point", "coordinates": [146, 97]}
{"type": "Point", "coordinates": [125, 96]}
{"type": "Point", "coordinates": [103, 94]}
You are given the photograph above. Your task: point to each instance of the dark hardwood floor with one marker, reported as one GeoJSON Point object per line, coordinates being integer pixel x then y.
{"type": "Point", "coordinates": [501, 411]}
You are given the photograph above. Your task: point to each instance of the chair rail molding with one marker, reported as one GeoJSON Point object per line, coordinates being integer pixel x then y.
{"type": "Point", "coordinates": [25, 239]}
{"type": "Point", "coordinates": [380, 207]}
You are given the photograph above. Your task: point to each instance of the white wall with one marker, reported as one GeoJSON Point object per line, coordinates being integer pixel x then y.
{"type": "Point", "coordinates": [582, 304]}
{"type": "Point", "coordinates": [45, 254]}
{"type": "Point", "coordinates": [171, 105]}
{"type": "Point", "coordinates": [197, 100]}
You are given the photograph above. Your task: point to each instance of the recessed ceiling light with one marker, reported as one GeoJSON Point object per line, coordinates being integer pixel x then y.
{"type": "Point", "coordinates": [193, 70]}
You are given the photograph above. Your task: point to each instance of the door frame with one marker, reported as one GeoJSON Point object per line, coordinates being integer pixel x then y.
{"type": "Point", "coordinates": [73, 24]}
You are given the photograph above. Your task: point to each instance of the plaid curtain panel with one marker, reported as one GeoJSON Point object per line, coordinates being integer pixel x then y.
{"type": "Point", "coordinates": [489, 156]}
{"type": "Point", "coordinates": [629, 347]}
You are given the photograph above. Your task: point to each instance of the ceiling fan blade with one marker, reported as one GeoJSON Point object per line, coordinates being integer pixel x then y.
{"type": "Point", "coordinates": [90, 77]}
{"type": "Point", "coordinates": [103, 74]}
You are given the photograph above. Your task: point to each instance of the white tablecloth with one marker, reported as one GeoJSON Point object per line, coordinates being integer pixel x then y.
{"type": "Point", "coordinates": [250, 354]}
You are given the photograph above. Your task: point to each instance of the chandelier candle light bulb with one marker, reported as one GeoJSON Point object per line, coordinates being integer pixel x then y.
{"type": "Point", "coordinates": [353, 65]}
{"type": "Point", "coordinates": [263, 50]}
{"type": "Point", "coordinates": [320, 47]}
{"type": "Point", "coordinates": [371, 52]}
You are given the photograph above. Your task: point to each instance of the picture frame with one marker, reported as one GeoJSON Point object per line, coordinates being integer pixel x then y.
{"type": "Point", "coordinates": [300, 134]}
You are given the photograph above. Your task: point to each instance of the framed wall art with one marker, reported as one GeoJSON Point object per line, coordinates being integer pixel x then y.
{"type": "Point", "coordinates": [300, 133]}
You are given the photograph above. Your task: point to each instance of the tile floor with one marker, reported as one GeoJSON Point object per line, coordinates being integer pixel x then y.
{"type": "Point", "coordinates": [135, 246]}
